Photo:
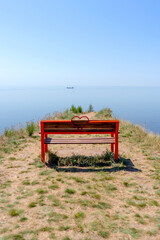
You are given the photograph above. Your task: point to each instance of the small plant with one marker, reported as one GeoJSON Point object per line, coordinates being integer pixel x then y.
{"type": "Point", "coordinates": [74, 109]}
{"type": "Point", "coordinates": [32, 204]}
{"type": "Point", "coordinates": [10, 132]}
{"type": "Point", "coordinates": [90, 109]}
{"type": "Point", "coordinates": [14, 212]}
{"type": "Point", "coordinates": [30, 128]}
{"type": "Point", "coordinates": [41, 191]}
{"type": "Point", "coordinates": [103, 234]}
{"type": "Point", "coordinates": [79, 216]}
{"type": "Point", "coordinates": [70, 191]}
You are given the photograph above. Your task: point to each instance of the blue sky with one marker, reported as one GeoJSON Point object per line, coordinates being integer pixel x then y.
{"type": "Point", "coordinates": [79, 42]}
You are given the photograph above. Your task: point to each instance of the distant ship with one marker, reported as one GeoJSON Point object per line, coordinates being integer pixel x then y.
{"type": "Point", "coordinates": [70, 87]}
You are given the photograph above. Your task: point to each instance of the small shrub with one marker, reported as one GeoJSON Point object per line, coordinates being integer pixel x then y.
{"type": "Point", "coordinates": [90, 109]}
{"type": "Point", "coordinates": [79, 216]}
{"type": "Point", "coordinates": [73, 109]}
{"type": "Point", "coordinates": [32, 204]}
{"type": "Point", "coordinates": [14, 212]}
{"type": "Point", "coordinates": [30, 128]}
{"type": "Point", "coordinates": [70, 191]}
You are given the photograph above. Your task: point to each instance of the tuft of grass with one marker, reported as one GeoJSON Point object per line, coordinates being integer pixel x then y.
{"type": "Point", "coordinates": [23, 219]}
{"type": "Point", "coordinates": [54, 200]}
{"type": "Point", "coordinates": [14, 212]}
{"type": "Point", "coordinates": [103, 234]}
{"type": "Point", "coordinates": [103, 205]}
{"type": "Point", "coordinates": [63, 228]}
{"type": "Point", "coordinates": [46, 229]}
{"type": "Point", "coordinates": [104, 113]}
{"type": "Point", "coordinates": [66, 238]}
{"type": "Point", "coordinates": [111, 187]}
{"type": "Point", "coordinates": [26, 182]}
{"type": "Point", "coordinates": [32, 204]}
{"type": "Point", "coordinates": [41, 191]}
{"type": "Point", "coordinates": [70, 191]}
{"type": "Point", "coordinates": [79, 216]}
{"type": "Point", "coordinates": [31, 127]}
{"type": "Point", "coordinates": [138, 204]}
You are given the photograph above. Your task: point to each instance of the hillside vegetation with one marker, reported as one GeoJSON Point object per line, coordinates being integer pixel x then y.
{"type": "Point", "coordinates": [81, 194]}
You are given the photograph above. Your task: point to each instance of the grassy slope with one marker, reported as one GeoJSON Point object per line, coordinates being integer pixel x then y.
{"type": "Point", "coordinates": [120, 201]}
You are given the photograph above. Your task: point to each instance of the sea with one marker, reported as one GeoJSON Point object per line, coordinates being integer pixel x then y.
{"type": "Point", "coordinates": [139, 105]}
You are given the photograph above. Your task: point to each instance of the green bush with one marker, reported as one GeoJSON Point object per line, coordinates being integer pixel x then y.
{"type": "Point", "coordinates": [76, 109]}
{"type": "Point", "coordinates": [30, 128]}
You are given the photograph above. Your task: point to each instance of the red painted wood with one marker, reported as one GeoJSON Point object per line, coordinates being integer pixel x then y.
{"type": "Point", "coordinates": [42, 143]}
{"type": "Point", "coordinates": [46, 145]}
{"type": "Point", "coordinates": [112, 145]}
{"type": "Point", "coordinates": [116, 141]}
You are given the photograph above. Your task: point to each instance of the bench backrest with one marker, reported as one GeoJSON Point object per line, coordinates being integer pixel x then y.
{"type": "Point", "coordinates": [79, 126]}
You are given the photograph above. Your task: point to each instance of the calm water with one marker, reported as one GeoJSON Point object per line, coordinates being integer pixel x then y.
{"type": "Point", "coordinates": [137, 104]}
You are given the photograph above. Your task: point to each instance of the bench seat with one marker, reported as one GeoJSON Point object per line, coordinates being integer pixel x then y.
{"type": "Point", "coordinates": [106, 140]}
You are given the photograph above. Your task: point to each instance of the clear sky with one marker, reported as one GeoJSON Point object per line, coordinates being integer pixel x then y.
{"type": "Point", "coordinates": [79, 42]}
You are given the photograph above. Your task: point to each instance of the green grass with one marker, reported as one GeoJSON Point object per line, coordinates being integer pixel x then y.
{"type": "Point", "coordinates": [79, 216]}
{"type": "Point", "coordinates": [41, 191]}
{"type": "Point", "coordinates": [31, 127]}
{"type": "Point", "coordinates": [70, 191]}
{"type": "Point", "coordinates": [15, 212]}
{"type": "Point", "coordinates": [32, 204]}
{"type": "Point", "coordinates": [103, 234]}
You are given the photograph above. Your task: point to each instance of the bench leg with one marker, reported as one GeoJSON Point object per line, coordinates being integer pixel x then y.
{"type": "Point", "coordinates": [116, 147]}
{"type": "Point", "coordinates": [42, 151]}
{"type": "Point", "coordinates": [112, 144]}
{"type": "Point", "coordinates": [42, 143]}
{"type": "Point", "coordinates": [46, 145]}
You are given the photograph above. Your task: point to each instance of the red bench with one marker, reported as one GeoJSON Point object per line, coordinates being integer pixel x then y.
{"type": "Point", "coordinates": [79, 126]}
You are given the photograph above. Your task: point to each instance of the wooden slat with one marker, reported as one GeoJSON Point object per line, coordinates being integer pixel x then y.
{"type": "Point", "coordinates": [79, 124]}
{"type": "Point", "coordinates": [80, 140]}
{"type": "Point", "coordinates": [81, 130]}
